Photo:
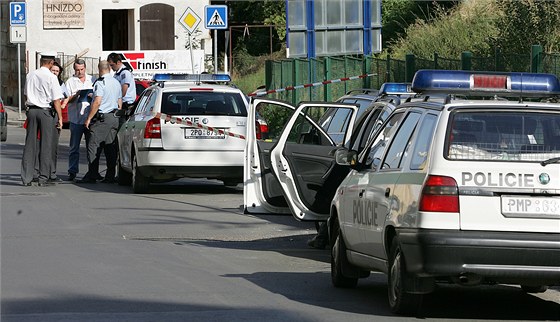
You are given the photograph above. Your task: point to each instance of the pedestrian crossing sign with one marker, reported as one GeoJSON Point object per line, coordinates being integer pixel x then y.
{"type": "Point", "coordinates": [215, 17]}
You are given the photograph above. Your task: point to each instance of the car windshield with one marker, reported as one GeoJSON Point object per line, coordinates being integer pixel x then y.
{"type": "Point", "coordinates": [504, 136]}
{"type": "Point", "coordinates": [203, 103]}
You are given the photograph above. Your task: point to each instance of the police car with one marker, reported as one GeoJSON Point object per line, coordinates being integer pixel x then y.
{"type": "Point", "coordinates": [185, 125]}
{"type": "Point", "coordinates": [461, 190]}
{"type": "Point", "coordinates": [292, 169]}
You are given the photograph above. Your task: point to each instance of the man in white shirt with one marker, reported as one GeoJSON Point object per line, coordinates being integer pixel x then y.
{"type": "Point", "coordinates": [78, 111]}
{"type": "Point", "coordinates": [41, 90]}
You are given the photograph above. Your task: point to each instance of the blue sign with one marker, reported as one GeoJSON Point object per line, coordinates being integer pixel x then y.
{"type": "Point", "coordinates": [215, 17]}
{"type": "Point", "coordinates": [17, 14]}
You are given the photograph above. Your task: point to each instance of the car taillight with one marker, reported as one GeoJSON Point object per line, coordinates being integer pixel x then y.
{"type": "Point", "coordinates": [153, 129]}
{"type": "Point", "coordinates": [261, 130]}
{"type": "Point", "coordinates": [440, 194]}
{"type": "Point", "coordinates": [2, 108]}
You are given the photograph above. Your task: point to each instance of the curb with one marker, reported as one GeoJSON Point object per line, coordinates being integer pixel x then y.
{"type": "Point", "coordinates": [13, 116]}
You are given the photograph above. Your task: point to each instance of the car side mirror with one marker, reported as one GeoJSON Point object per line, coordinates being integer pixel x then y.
{"type": "Point", "coordinates": [347, 157]}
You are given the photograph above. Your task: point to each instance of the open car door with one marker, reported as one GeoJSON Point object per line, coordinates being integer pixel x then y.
{"type": "Point", "coordinates": [303, 158]}
{"type": "Point", "coordinates": [261, 190]}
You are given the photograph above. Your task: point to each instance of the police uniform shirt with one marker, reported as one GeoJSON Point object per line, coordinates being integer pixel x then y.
{"type": "Point", "coordinates": [77, 112]}
{"type": "Point", "coordinates": [124, 76]}
{"type": "Point", "coordinates": [41, 88]}
{"type": "Point", "coordinates": [110, 91]}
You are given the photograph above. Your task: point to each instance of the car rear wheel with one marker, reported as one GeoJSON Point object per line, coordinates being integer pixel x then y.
{"type": "Point", "coordinates": [400, 301]}
{"type": "Point", "coordinates": [534, 288]}
{"type": "Point", "coordinates": [124, 178]}
{"type": "Point", "coordinates": [140, 183]}
{"type": "Point", "coordinates": [338, 259]}
{"type": "Point", "coordinates": [4, 135]}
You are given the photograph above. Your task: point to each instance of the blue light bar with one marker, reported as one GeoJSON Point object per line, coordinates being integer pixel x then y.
{"type": "Point", "coordinates": [396, 89]}
{"type": "Point", "coordinates": [485, 83]}
{"type": "Point", "coordinates": [197, 78]}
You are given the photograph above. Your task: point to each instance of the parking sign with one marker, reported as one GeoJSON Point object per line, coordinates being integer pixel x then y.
{"type": "Point", "coordinates": [18, 14]}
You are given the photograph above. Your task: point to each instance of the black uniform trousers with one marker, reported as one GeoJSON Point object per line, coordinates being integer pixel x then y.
{"type": "Point", "coordinates": [101, 137]}
{"type": "Point", "coordinates": [38, 119]}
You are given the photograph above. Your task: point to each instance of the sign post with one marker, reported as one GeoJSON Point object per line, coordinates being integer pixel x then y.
{"type": "Point", "coordinates": [18, 34]}
{"type": "Point", "coordinates": [215, 17]}
{"type": "Point", "coordinates": [190, 20]}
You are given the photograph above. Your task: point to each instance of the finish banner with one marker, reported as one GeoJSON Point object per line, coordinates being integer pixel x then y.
{"type": "Point", "coordinates": [145, 63]}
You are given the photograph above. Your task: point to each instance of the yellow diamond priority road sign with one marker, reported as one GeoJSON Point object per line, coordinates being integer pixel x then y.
{"type": "Point", "coordinates": [190, 20]}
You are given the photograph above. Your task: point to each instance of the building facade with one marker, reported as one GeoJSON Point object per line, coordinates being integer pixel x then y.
{"type": "Point", "coordinates": [92, 28]}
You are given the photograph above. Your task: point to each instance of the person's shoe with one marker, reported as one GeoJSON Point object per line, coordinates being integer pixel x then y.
{"type": "Point", "coordinates": [71, 176]}
{"type": "Point", "coordinates": [99, 177]}
{"type": "Point", "coordinates": [87, 179]}
{"type": "Point", "coordinates": [55, 180]}
{"type": "Point", "coordinates": [45, 184]}
{"type": "Point", "coordinates": [317, 243]}
{"type": "Point", "coordinates": [108, 180]}
{"type": "Point", "coordinates": [29, 184]}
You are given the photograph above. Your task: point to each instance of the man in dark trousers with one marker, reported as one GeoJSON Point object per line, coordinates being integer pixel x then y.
{"type": "Point", "coordinates": [103, 124]}
{"type": "Point", "coordinates": [43, 95]}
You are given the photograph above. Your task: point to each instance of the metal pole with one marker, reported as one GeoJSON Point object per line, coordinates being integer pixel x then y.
{"type": "Point", "coordinates": [19, 78]}
{"type": "Point", "coordinates": [226, 52]}
{"type": "Point", "coordinates": [192, 59]}
{"type": "Point", "coordinates": [215, 51]}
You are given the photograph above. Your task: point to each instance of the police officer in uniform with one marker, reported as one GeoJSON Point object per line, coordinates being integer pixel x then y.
{"type": "Point", "coordinates": [41, 90]}
{"type": "Point", "coordinates": [124, 75]}
{"type": "Point", "coordinates": [103, 124]}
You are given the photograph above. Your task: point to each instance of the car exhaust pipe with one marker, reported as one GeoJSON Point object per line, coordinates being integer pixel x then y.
{"type": "Point", "coordinates": [467, 279]}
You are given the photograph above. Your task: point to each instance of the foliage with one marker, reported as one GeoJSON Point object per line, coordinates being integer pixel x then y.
{"type": "Point", "coordinates": [529, 22]}
{"type": "Point", "coordinates": [397, 15]}
{"type": "Point", "coordinates": [473, 26]}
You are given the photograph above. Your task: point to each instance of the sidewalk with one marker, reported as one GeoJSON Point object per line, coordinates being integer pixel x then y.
{"type": "Point", "coordinates": [14, 117]}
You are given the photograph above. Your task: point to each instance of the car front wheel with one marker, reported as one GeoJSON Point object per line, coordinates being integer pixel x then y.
{"type": "Point", "coordinates": [140, 183]}
{"type": "Point", "coordinates": [124, 178]}
{"type": "Point", "coordinates": [400, 301]}
{"type": "Point", "coordinates": [338, 259]}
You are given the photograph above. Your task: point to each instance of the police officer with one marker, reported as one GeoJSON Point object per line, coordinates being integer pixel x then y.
{"type": "Point", "coordinates": [41, 89]}
{"type": "Point", "coordinates": [124, 75]}
{"type": "Point", "coordinates": [103, 124]}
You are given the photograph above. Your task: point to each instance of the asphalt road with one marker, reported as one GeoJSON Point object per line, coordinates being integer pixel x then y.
{"type": "Point", "coordinates": [187, 252]}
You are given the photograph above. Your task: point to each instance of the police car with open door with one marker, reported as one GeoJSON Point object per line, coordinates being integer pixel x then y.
{"type": "Point", "coordinates": [297, 154]}
{"type": "Point", "coordinates": [455, 190]}
{"type": "Point", "coordinates": [186, 125]}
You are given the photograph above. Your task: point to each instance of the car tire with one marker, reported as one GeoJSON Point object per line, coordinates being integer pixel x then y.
{"type": "Point", "coordinates": [124, 178]}
{"type": "Point", "coordinates": [140, 183]}
{"type": "Point", "coordinates": [4, 136]}
{"type": "Point", "coordinates": [400, 301]}
{"type": "Point", "coordinates": [534, 289]}
{"type": "Point", "coordinates": [338, 260]}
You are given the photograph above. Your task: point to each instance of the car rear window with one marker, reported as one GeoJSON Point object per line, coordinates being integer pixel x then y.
{"type": "Point", "coordinates": [203, 103]}
{"type": "Point", "coordinates": [504, 136]}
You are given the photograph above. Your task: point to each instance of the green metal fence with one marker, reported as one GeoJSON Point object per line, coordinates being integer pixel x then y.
{"type": "Point", "coordinates": [287, 73]}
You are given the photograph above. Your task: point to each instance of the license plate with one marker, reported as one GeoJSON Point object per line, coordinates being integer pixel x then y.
{"type": "Point", "coordinates": [538, 207]}
{"type": "Point", "coordinates": [202, 134]}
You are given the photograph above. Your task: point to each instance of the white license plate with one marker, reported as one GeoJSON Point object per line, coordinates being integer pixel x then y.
{"type": "Point", "coordinates": [202, 134]}
{"type": "Point", "coordinates": [542, 207]}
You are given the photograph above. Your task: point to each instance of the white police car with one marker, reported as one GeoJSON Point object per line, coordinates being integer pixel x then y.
{"type": "Point", "coordinates": [292, 168]}
{"type": "Point", "coordinates": [455, 190]}
{"type": "Point", "coordinates": [186, 125]}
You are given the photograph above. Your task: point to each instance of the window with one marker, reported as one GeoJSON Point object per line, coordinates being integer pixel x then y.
{"type": "Point", "coordinates": [306, 129]}
{"type": "Point", "coordinates": [206, 103]}
{"type": "Point", "coordinates": [423, 142]}
{"type": "Point", "coordinates": [275, 117]}
{"type": "Point", "coordinates": [503, 136]}
{"type": "Point", "coordinates": [382, 140]}
{"type": "Point", "coordinates": [140, 107]}
{"type": "Point", "coordinates": [400, 144]}
{"type": "Point", "coordinates": [157, 27]}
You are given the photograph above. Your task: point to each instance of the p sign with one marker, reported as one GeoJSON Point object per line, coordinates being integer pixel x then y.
{"type": "Point", "coordinates": [17, 14]}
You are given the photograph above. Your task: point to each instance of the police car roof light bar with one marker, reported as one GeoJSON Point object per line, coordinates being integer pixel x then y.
{"type": "Point", "coordinates": [196, 78]}
{"type": "Point", "coordinates": [395, 89]}
{"type": "Point", "coordinates": [486, 83]}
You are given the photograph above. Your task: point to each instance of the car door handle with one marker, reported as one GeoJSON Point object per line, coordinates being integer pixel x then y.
{"type": "Point", "coordinates": [361, 194]}
{"type": "Point", "coordinates": [387, 192]}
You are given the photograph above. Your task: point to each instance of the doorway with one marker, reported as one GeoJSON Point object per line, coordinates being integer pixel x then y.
{"type": "Point", "coordinates": [118, 29]}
